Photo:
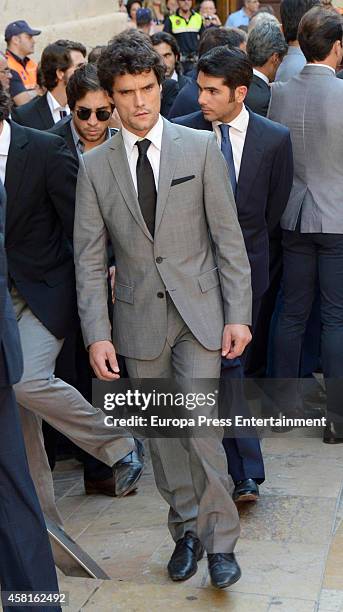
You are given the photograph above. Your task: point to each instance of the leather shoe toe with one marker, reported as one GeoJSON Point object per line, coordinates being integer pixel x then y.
{"type": "Point", "coordinates": [224, 569]}
{"type": "Point", "coordinates": [127, 472]}
{"type": "Point", "coordinates": [246, 490]}
{"type": "Point", "coordinates": [184, 561]}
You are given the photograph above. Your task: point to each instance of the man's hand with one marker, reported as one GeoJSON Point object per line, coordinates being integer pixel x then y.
{"type": "Point", "coordinates": [100, 353]}
{"type": "Point", "coordinates": [235, 339]}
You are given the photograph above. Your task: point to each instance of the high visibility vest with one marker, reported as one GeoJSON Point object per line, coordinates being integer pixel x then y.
{"type": "Point", "coordinates": [28, 74]}
{"type": "Point", "coordinates": [181, 26]}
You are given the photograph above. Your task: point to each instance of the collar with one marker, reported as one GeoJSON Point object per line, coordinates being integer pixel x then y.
{"type": "Point", "coordinates": [54, 104]}
{"type": "Point", "coordinates": [323, 66]}
{"type": "Point", "coordinates": [22, 60]}
{"type": "Point", "coordinates": [260, 75]}
{"type": "Point", "coordinates": [175, 76]}
{"type": "Point", "coordinates": [182, 17]}
{"type": "Point", "coordinates": [240, 123]}
{"type": "Point", "coordinates": [5, 138]}
{"type": "Point", "coordinates": [155, 135]}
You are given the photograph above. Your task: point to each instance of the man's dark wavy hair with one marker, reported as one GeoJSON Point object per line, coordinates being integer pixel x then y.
{"type": "Point", "coordinates": [5, 104]}
{"type": "Point", "coordinates": [130, 52]}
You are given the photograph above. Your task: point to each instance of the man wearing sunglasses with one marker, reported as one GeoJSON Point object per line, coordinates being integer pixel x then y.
{"type": "Point", "coordinates": [91, 110]}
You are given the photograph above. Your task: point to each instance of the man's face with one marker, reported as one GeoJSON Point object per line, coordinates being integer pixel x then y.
{"type": "Point", "coordinates": [26, 44]}
{"type": "Point", "coordinates": [165, 51]}
{"type": "Point", "coordinates": [216, 100]}
{"type": "Point", "coordinates": [252, 6]}
{"type": "Point", "coordinates": [77, 60]}
{"type": "Point", "coordinates": [5, 73]}
{"type": "Point", "coordinates": [184, 5]}
{"type": "Point", "coordinates": [137, 98]}
{"type": "Point", "coordinates": [92, 130]}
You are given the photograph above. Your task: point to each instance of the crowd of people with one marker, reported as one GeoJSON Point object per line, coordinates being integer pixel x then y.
{"type": "Point", "coordinates": [169, 207]}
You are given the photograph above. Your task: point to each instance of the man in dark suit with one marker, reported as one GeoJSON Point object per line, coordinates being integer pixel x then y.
{"type": "Point", "coordinates": [266, 47]}
{"type": "Point", "coordinates": [259, 158]}
{"type": "Point", "coordinates": [40, 220]}
{"type": "Point", "coordinates": [59, 61]}
{"type": "Point", "coordinates": [166, 45]}
{"type": "Point", "coordinates": [26, 562]}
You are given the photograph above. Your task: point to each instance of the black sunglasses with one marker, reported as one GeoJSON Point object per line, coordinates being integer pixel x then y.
{"type": "Point", "coordinates": [85, 113]}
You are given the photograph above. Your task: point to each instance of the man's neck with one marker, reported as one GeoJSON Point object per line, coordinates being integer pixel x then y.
{"type": "Point", "coordinates": [60, 95]}
{"type": "Point", "coordinates": [185, 14]}
{"type": "Point", "coordinates": [232, 116]}
{"type": "Point", "coordinates": [16, 52]}
{"type": "Point", "coordinates": [91, 145]}
{"type": "Point", "coordinates": [293, 43]}
{"type": "Point", "coordinates": [328, 61]}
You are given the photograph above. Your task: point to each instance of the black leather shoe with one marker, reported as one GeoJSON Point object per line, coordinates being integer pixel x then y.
{"type": "Point", "coordinates": [224, 569]}
{"type": "Point", "coordinates": [246, 491]}
{"type": "Point", "coordinates": [183, 562]}
{"type": "Point", "coordinates": [127, 472]}
{"type": "Point", "coordinates": [333, 434]}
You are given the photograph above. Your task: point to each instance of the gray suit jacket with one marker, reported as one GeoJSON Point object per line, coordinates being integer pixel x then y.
{"type": "Point", "coordinates": [310, 105]}
{"type": "Point", "coordinates": [194, 201]}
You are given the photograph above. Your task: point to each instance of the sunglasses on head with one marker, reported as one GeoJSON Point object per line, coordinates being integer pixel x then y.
{"type": "Point", "coordinates": [85, 113]}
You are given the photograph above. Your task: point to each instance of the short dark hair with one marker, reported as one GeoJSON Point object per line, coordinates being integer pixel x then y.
{"type": "Point", "coordinates": [95, 53]}
{"type": "Point", "coordinates": [5, 104]}
{"type": "Point", "coordinates": [265, 39]}
{"type": "Point", "coordinates": [319, 29]}
{"type": "Point", "coordinates": [218, 37]}
{"type": "Point", "coordinates": [57, 57]}
{"type": "Point", "coordinates": [83, 80]}
{"type": "Point", "coordinates": [291, 12]}
{"type": "Point", "coordinates": [130, 3]}
{"type": "Point", "coordinates": [164, 37]}
{"type": "Point", "coordinates": [232, 65]}
{"type": "Point", "coordinates": [130, 52]}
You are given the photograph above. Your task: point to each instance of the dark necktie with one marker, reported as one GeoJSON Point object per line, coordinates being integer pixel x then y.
{"type": "Point", "coordinates": [146, 185]}
{"type": "Point", "coordinates": [227, 152]}
{"type": "Point", "coordinates": [63, 113]}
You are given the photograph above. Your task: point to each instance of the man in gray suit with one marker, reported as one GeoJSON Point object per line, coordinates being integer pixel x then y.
{"type": "Point", "coordinates": [313, 220]}
{"type": "Point", "coordinates": [160, 191]}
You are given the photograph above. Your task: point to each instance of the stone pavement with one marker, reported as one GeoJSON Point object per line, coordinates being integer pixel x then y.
{"type": "Point", "coordinates": [290, 550]}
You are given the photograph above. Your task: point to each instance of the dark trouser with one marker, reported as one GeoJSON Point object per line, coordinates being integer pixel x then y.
{"type": "Point", "coordinates": [26, 562]}
{"type": "Point", "coordinates": [243, 453]}
{"type": "Point", "coordinates": [310, 259]}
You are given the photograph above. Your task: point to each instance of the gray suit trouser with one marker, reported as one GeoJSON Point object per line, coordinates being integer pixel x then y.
{"type": "Point", "coordinates": [40, 395]}
{"type": "Point", "coordinates": [191, 473]}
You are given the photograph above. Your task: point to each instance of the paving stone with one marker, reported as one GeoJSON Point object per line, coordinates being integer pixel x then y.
{"type": "Point", "coordinates": [331, 601]}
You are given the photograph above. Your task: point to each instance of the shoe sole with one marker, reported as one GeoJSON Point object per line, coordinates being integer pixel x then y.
{"type": "Point", "coordinates": [132, 486]}
{"type": "Point", "coordinates": [247, 497]}
{"type": "Point", "coordinates": [226, 585]}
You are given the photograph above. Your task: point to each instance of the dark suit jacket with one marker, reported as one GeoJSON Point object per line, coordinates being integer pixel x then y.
{"type": "Point", "coordinates": [258, 96]}
{"type": "Point", "coordinates": [63, 129]}
{"type": "Point", "coordinates": [40, 183]}
{"type": "Point", "coordinates": [264, 185]}
{"type": "Point", "coordinates": [11, 360]}
{"type": "Point", "coordinates": [35, 114]}
{"type": "Point", "coordinates": [186, 101]}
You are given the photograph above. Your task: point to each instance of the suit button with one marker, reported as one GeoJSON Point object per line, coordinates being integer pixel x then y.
{"type": "Point", "coordinates": [159, 259]}
{"type": "Point", "coordinates": [160, 294]}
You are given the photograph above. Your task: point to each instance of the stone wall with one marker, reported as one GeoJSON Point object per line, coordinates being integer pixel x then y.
{"type": "Point", "coordinates": [92, 22]}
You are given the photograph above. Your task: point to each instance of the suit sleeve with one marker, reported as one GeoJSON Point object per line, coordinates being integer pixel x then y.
{"type": "Point", "coordinates": [90, 256]}
{"type": "Point", "coordinates": [231, 255]}
{"type": "Point", "coordinates": [281, 181]}
{"type": "Point", "coordinates": [61, 173]}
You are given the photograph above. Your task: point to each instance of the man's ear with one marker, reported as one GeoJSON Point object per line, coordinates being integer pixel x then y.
{"type": "Point", "coordinates": [60, 74]}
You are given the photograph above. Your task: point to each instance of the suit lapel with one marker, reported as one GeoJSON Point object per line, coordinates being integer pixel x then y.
{"type": "Point", "coordinates": [170, 155]}
{"type": "Point", "coordinates": [70, 139]}
{"type": "Point", "coordinates": [251, 159]}
{"type": "Point", "coordinates": [120, 167]}
{"type": "Point", "coordinates": [45, 112]}
{"type": "Point", "coordinates": [15, 168]}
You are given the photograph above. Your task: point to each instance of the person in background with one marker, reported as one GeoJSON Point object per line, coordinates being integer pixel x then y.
{"type": "Point", "coordinates": [187, 26]}
{"type": "Point", "coordinates": [266, 49]}
{"type": "Point", "coordinates": [171, 6]}
{"type": "Point", "coordinates": [291, 12]}
{"type": "Point", "coordinates": [95, 53]}
{"type": "Point", "coordinates": [58, 63]}
{"type": "Point", "coordinates": [208, 12]}
{"type": "Point", "coordinates": [132, 7]}
{"type": "Point", "coordinates": [166, 45]}
{"type": "Point", "coordinates": [243, 16]}
{"type": "Point", "coordinates": [20, 44]}
{"type": "Point", "coordinates": [5, 72]}
{"type": "Point", "coordinates": [144, 21]}
{"type": "Point", "coordinates": [159, 12]}
{"type": "Point", "coordinates": [262, 17]}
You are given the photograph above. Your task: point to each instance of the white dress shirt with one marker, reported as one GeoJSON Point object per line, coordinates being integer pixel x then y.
{"type": "Point", "coordinates": [153, 154]}
{"type": "Point", "coordinates": [260, 75]}
{"type": "Point", "coordinates": [237, 133]}
{"type": "Point", "coordinates": [5, 141]}
{"type": "Point", "coordinates": [55, 107]}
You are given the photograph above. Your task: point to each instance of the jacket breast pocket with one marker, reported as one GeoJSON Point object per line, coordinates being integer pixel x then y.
{"type": "Point", "coordinates": [209, 280]}
{"type": "Point", "coordinates": [123, 293]}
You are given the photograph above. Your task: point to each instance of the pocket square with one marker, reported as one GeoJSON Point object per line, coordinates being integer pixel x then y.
{"type": "Point", "coordinates": [183, 179]}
